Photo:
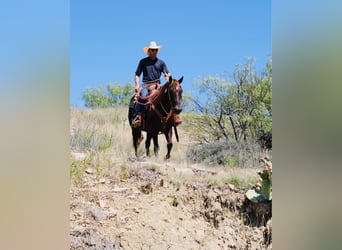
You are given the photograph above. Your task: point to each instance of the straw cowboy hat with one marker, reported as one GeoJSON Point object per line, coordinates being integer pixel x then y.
{"type": "Point", "coordinates": [153, 45]}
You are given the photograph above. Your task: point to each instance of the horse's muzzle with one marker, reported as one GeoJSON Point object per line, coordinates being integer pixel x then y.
{"type": "Point", "coordinates": [177, 111]}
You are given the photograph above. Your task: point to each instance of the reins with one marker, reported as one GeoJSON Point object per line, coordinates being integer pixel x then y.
{"type": "Point", "coordinates": [149, 98]}
{"type": "Point", "coordinates": [169, 114]}
{"type": "Point", "coordinates": [154, 98]}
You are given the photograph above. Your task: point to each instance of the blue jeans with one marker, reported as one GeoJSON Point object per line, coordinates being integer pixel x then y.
{"type": "Point", "coordinates": [138, 105]}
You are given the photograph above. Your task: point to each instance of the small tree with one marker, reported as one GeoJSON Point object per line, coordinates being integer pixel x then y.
{"type": "Point", "coordinates": [120, 94]}
{"type": "Point", "coordinates": [95, 98]}
{"type": "Point", "coordinates": [114, 94]}
{"type": "Point", "coordinates": [239, 109]}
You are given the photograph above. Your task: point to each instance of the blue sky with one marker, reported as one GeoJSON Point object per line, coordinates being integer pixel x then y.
{"type": "Point", "coordinates": [199, 38]}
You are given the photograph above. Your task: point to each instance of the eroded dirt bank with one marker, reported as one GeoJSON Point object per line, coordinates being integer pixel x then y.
{"type": "Point", "coordinates": [149, 206]}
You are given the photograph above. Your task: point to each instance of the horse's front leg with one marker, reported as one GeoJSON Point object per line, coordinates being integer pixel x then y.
{"type": "Point", "coordinates": [148, 143]}
{"type": "Point", "coordinates": [155, 144]}
{"type": "Point", "coordinates": [168, 136]}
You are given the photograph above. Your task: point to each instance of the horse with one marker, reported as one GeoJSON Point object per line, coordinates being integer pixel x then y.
{"type": "Point", "coordinates": [160, 106]}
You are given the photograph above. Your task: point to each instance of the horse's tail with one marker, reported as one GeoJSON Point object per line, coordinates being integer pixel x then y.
{"type": "Point", "coordinates": [136, 132]}
{"type": "Point", "coordinates": [131, 110]}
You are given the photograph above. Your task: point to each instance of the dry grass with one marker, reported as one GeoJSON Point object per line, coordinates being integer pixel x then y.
{"type": "Point", "coordinates": [100, 130]}
{"type": "Point", "coordinates": [108, 130]}
{"type": "Point", "coordinates": [104, 138]}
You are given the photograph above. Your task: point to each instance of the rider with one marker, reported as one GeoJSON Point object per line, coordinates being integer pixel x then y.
{"type": "Point", "coordinates": [152, 68]}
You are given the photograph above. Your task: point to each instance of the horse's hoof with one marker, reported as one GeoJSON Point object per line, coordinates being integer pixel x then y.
{"type": "Point", "coordinates": [167, 157]}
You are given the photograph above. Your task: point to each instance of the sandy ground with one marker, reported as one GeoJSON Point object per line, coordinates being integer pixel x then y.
{"type": "Point", "coordinates": [161, 206]}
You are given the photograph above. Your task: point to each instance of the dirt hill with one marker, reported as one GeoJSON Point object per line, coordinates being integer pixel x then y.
{"type": "Point", "coordinates": [161, 207]}
{"type": "Point", "coordinates": [119, 201]}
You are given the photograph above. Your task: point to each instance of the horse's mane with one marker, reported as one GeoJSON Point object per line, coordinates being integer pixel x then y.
{"type": "Point", "coordinates": [161, 92]}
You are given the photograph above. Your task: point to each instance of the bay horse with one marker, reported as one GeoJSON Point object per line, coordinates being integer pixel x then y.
{"type": "Point", "coordinates": [158, 116]}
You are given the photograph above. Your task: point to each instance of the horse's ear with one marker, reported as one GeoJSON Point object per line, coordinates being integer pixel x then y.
{"type": "Point", "coordinates": [180, 80]}
{"type": "Point", "coordinates": [170, 79]}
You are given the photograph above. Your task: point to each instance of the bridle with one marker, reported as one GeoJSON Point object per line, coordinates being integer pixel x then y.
{"type": "Point", "coordinates": [154, 98]}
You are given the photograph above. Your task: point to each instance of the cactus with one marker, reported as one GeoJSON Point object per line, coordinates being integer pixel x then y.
{"type": "Point", "coordinates": [262, 191]}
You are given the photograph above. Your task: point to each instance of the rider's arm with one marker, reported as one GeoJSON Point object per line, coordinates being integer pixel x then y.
{"type": "Point", "coordinates": [137, 83]}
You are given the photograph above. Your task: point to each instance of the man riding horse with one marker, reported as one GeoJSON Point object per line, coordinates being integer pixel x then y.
{"type": "Point", "coordinates": [163, 103]}
{"type": "Point", "coordinates": [152, 68]}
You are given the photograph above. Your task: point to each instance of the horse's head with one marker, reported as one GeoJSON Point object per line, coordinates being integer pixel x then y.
{"type": "Point", "coordinates": [176, 94]}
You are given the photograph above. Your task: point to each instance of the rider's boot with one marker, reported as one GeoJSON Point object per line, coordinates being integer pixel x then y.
{"type": "Point", "coordinates": [136, 121]}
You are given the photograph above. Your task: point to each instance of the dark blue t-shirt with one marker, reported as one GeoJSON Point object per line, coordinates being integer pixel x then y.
{"type": "Point", "coordinates": [151, 69]}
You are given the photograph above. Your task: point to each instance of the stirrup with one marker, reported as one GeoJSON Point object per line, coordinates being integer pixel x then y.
{"type": "Point", "coordinates": [136, 122]}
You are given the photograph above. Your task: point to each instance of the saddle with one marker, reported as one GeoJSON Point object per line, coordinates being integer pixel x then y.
{"type": "Point", "coordinates": [154, 87]}
{"type": "Point", "coordinates": [153, 91]}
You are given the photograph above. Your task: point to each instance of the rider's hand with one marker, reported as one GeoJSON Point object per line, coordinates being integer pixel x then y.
{"type": "Point", "coordinates": [167, 77]}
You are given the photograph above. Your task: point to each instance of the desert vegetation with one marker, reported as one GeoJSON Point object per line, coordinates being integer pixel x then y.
{"type": "Point", "coordinates": [194, 201]}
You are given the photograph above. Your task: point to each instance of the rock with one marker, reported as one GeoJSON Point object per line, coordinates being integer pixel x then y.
{"type": "Point", "coordinates": [232, 187]}
{"type": "Point", "coordinates": [120, 189]}
{"type": "Point", "coordinates": [96, 214]}
{"type": "Point", "coordinates": [89, 171]}
{"type": "Point", "coordinates": [111, 213]}
{"type": "Point", "coordinates": [102, 180]}
{"type": "Point", "coordinates": [102, 203]}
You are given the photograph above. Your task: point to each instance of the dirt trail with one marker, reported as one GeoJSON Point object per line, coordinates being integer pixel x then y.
{"type": "Point", "coordinates": [160, 206]}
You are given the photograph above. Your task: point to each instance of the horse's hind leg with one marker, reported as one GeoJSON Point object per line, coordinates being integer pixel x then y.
{"type": "Point", "coordinates": [148, 143]}
{"type": "Point", "coordinates": [155, 144]}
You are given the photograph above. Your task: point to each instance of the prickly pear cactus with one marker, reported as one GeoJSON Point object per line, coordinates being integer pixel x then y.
{"type": "Point", "coordinates": [262, 191]}
{"type": "Point", "coordinates": [266, 184]}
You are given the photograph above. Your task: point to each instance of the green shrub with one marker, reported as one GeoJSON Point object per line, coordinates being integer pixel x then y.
{"type": "Point", "coordinates": [227, 153]}
{"type": "Point", "coordinates": [243, 183]}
